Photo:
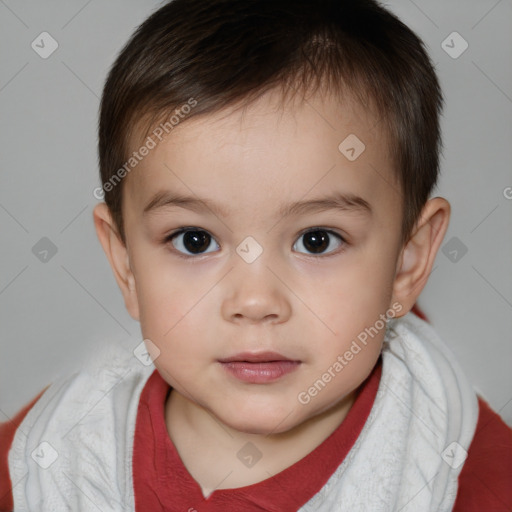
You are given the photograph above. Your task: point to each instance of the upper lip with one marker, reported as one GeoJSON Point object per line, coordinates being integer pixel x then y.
{"type": "Point", "coordinates": [255, 357]}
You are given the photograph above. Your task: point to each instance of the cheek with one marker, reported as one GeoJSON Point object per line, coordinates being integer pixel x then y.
{"type": "Point", "coordinates": [354, 297]}
{"type": "Point", "coordinates": [350, 303]}
{"type": "Point", "coordinates": [172, 309]}
{"type": "Point", "coordinates": [158, 305]}
{"type": "Point", "coordinates": [162, 296]}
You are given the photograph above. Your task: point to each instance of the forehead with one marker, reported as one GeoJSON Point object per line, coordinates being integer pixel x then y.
{"type": "Point", "coordinates": [270, 152]}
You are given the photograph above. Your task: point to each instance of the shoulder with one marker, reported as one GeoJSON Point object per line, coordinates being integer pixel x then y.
{"type": "Point", "coordinates": [89, 405]}
{"type": "Point", "coordinates": [7, 432]}
{"type": "Point", "coordinates": [484, 482]}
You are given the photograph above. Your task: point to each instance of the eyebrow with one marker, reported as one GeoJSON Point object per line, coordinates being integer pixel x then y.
{"type": "Point", "coordinates": [346, 202]}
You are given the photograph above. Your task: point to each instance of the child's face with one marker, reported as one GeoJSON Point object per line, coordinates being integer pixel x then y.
{"type": "Point", "coordinates": [211, 295]}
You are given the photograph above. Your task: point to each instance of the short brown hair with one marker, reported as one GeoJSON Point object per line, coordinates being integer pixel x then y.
{"type": "Point", "coordinates": [220, 52]}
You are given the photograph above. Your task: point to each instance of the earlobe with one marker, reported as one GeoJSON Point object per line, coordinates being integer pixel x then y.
{"type": "Point", "coordinates": [417, 257]}
{"type": "Point", "coordinates": [118, 257]}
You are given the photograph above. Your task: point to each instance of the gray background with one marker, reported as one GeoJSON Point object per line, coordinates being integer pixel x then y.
{"type": "Point", "coordinates": [55, 312]}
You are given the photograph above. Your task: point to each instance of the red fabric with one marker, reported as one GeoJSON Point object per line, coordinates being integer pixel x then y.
{"type": "Point", "coordinates": [160, 477]}
{"type": "Point", "coordinates": [161, 481]}
{"type": "Point", "coordinates": [485, 483]}
{"type": "Point", "coordinates": [418, 312]}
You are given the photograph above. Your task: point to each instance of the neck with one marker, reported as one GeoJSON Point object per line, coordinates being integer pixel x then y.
{"type": "Point", "coordinates": [220, 457]}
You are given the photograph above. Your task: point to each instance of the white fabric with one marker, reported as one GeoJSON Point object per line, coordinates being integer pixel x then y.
{"type": "Point", "coordinates": [89, 419]}
{"type": "Point", "coordinates": [423, 405]}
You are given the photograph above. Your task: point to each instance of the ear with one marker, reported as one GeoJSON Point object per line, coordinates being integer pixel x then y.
{"type": "Point", "coordinates": [418, 255]}
{"type": "Point", "coordinates": [117, 255]}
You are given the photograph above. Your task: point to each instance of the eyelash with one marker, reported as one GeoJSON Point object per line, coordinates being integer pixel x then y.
{"type": "Point", "coordinates": [168, 239]}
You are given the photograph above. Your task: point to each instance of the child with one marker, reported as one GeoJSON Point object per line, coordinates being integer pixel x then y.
{"type": "Point", "coordinates": [267, 169]}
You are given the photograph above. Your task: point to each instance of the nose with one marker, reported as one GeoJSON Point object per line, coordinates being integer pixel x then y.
{"type": "Point", "coordinates": [255, 293]}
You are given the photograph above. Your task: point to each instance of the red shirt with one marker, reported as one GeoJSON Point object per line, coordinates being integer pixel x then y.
{"type": "Point", "coordinates": [167, 481]}
{"type": "Point", "coordinates": [161, 481]}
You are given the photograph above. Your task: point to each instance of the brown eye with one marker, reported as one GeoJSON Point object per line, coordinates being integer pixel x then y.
{"type": "Point", "coordinates": [317, 241]}
{"type": "Point", "coordinates": [192, 241]}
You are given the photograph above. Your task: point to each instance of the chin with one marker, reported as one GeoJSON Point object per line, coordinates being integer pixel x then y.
{"type": "Point", "coordinates": [260, 424]}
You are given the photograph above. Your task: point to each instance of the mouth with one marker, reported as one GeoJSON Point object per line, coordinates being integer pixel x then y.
{"type": "Point", "coordinates": [259, 368]}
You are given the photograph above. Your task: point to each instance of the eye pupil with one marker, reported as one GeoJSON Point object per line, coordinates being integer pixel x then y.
{"type": "Point", "coordinates": [196, 241]}
{"type": "Point", "coordinates": [316, 241]}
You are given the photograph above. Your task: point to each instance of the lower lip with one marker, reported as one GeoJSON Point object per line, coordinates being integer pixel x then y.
{"type": "Point", "coordinates": [260, 373]}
